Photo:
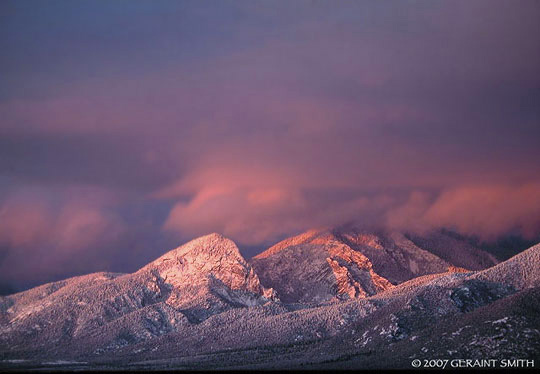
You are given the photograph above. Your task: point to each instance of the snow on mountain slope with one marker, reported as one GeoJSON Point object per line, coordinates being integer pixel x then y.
{"type": "Point", "coordinates": [450, 315]}
{"type": "Point", "coordinates": [319, 265]}
{"type": "Point", "coordinates": [316, 267]}
{"type": "Point", "coordinates": [453, 248]}
{"type": "Point", "coordinates": [149, 319]}
{"type": "Point", "coordinates": [207, 275]}
{"type": "Point", "coordinates": [187, 285]}
{"type": "Point", "coordinates": [521, 271]}
{"type": "Point", "coordinates": [397, 258]}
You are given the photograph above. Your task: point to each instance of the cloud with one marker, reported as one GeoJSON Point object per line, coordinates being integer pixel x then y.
{"type": "Point", "coordinates": [487, 211]}
{"type": "Point", "coordinates": [259, 121]}
{"type": "Point", "coordinates": [85, 226]}
{"type": "Point", "coordinates": [263, 204]}
{"type": "Point", "coordinates": [259, 210]}
{"type": "Point", "coordinates": [40, 234]}
{"type": "Point", "coordinates": [24, 223]}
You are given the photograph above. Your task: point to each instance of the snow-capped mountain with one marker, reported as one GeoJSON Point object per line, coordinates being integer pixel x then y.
{"type": "Point", "coordinates": [208, 275]}
{"type": "Point", "coordinates": [316, 267]}
{"type": "Point", "coordinates": [202, 306]}
{"type": "Point", "coordinates": [320, 265]}
{"type": "Point", "coordinates": [186, 285]}
{"type": "Point", "coordinates": [399, 256]}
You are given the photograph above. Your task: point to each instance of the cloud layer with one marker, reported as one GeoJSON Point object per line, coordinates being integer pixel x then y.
{"type": "Point", "coordinates": [129, 127]}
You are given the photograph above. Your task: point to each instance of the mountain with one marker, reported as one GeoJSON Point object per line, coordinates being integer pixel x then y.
{"type": "Point", "coordinates": [489, 314]}
{"type": "Point", "coordinates": [520, 271]}
{"type": "Point", "coordinates": [207, 276]}
{"type": "Point", "coordinates": [202, 306]}
{"type": "Point", "coordinates": [316, 267]}
{"type": "Point", "coordinates": [455, 249]}
{"type": "Point", "coordinates": [186, 285]}
{"type": "Point", "coordinates": [321, 265]}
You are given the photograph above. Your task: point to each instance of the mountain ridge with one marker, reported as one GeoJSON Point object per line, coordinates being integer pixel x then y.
{"type": "Point", "coordinates": [221, 318]}
{"type": "Point", "coordinates": [354, 262]}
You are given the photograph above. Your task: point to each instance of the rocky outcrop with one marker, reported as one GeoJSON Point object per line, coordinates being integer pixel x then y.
{"type": "Point", "coordinates": [316, 267]}
{"type": "Point", "coordinates": [393, 256]}
{"type": "Point", "coordinates": [320, 265]}
{"type": "Point", "coordinates": [354, 273]}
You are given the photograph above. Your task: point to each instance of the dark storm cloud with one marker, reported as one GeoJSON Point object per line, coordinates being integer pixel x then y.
{"type": "Point", "coordinates": [80, 159]}
{"type": "Point", "coordinates": [165, 120]}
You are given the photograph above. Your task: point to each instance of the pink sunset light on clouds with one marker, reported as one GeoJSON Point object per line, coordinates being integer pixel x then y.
{"type": "Point", "coordinates": [125, 131]}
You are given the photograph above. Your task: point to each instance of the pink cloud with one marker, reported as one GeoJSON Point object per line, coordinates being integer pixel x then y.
{"type": "Point", "coordinates": [255, 206]}
{"type": "Point", "coordinates": [484, 210]}
{"type": "Point", "coordinates": [249, 214]}
{"type": "Point", "coordinates": [43, 235]}
{"type": "Point", "coordinates": [488, 210]}
{"type": "Point", "coordinates": [262, 204]}
{"type": "Point", "coordinates": [24, 223]}
{"type": "Point", "coordinates": [79, 227]}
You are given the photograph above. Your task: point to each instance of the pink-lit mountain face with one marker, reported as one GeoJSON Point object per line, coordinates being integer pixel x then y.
{"type": "Point", "coordinates": [320, 265]}
{"type": "Point", "coordinates": [322, 299]}
{"type": "Point", "coordinates": [315, 267]}
{"type": "Point", "coordinates": [206, 276]}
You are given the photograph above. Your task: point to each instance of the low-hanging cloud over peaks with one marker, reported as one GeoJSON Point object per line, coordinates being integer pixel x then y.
{"type": "Point", "coordinates": [486, 211]}
{"type": "Point", "coordinates": [175, 119]}
{"type": "Point", "coordinates": [255, 214]}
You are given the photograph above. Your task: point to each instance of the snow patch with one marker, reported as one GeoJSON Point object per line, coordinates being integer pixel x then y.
{"type": "Point", "coordinates": [65, 362]}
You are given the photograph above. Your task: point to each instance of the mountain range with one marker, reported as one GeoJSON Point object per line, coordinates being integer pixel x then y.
{"type": "Point", "coordinates": [325, 299]}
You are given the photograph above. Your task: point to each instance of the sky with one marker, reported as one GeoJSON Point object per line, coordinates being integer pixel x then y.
{"type": "Point", "coordinates": [130, 127]}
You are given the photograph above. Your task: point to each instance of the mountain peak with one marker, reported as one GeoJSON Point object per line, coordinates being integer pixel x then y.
{"type": "Point", "coordinates": [157, 312]}
{"type": "Point", "coordinates": [356, 262]}
{"type": "Point", "coordinates": [316, 266]}
{"type": "Point", "coordinates": [310, 236]}
{"type": "Point", "coordinates": [208, 270]}
{"type": "Point", "coordinates": [209, 246]}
